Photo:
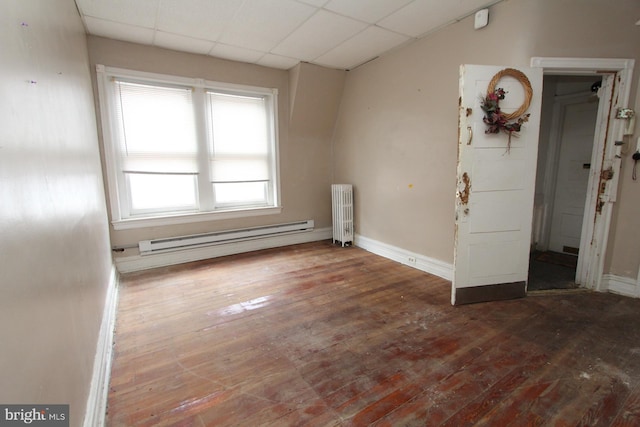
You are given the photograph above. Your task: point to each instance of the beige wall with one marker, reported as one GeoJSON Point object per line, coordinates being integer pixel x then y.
{"type": "Point", "coordinates": [314, 107]}
{"type": "Point", "coordinates": [623, 258]}
{"type": "Point", "coordinates": [305, 119]}
{"type": "Point", "coordinates": [55, 260]}
{"type": "Point", "coordinates": [396, 136]}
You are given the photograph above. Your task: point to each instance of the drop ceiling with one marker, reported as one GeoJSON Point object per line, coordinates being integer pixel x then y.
{"type": "Point", "coordinates": [275, 33]}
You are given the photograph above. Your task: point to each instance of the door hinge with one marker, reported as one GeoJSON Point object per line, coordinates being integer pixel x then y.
{"type": "Point", "coordinates": [625, 113]}
{"type": "Point", "coordinates": [464, 188]}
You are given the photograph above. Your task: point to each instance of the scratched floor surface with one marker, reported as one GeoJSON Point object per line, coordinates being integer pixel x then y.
{"type": "Point", "coordinates": [321, 335]}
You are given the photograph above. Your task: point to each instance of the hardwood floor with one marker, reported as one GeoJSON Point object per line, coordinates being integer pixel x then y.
{"type": "Point", "coordinates": [321, 335]}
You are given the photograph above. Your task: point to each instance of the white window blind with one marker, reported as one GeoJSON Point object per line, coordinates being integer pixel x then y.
{"type": "Point", "coordinates": [157, 128]}
{"type": "Point", "coordinates": [240, 160]}
{"type": "Point", "coordinates": [187, 148]}
{"type": "Point", "coordinates": [157, 146]}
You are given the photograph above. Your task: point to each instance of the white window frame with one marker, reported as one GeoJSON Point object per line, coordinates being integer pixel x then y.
{"type": "Point", "coordinates": [115, 179]}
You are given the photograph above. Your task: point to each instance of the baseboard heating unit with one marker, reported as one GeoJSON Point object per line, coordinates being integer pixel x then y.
{"type": "Point", "coordinates": [148, 247]}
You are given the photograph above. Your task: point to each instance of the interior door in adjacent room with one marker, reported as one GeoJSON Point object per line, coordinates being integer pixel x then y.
{"type": "Point", "coordinates": [574, 164]}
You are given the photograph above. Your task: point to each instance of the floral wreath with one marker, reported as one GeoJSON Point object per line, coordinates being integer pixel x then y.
{"type": "Point", "coordinates": [494, 118]}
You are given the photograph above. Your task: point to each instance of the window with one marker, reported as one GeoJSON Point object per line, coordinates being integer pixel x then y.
{"type": "Point", "coordinates": [183, 150]}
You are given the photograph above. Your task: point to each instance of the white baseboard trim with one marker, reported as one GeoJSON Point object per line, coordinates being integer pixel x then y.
{"type": "Point", "coordinates": [95, 414]}
{"type": "Point", "coordinates": [421, 262]}
{"type": "Point", "coordinates": [144, 262]}
{"type": "Point", "coordinates": [621, 285]}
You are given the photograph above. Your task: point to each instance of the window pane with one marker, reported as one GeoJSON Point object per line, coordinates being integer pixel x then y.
{"type": "Point", "coordinates": [240, 193]}
{"type": "Point", "coordinates": [155, 192]}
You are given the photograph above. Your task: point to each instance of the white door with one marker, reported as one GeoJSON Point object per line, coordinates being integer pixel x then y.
{"type": "Point", "coordinates": [574, 164]}
{"type": "Point", "coordinates": [495, 189]}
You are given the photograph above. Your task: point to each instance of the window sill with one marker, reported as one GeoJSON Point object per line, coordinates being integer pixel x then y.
{"type": "Point", "coordinates": [132, 223]}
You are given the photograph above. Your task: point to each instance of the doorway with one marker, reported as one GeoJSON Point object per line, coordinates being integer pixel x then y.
{"type": "Point", "coordinates": [567, 132]}
{"type": "Point", "coordinates": [493, 240]}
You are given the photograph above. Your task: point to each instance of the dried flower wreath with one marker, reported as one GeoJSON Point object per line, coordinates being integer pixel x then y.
{"type": "Point", "coordinates": [494, 118]}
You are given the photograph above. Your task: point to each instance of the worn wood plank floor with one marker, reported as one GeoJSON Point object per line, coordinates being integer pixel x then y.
{"type": "Point", "coordinates": [321, 335]}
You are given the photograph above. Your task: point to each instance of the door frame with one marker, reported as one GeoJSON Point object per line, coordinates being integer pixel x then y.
{"type": "Point", "coordinates": [616, 76]}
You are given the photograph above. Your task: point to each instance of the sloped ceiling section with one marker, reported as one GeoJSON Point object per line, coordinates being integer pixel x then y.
{"type": "Point", "coordinates": [338, 34]}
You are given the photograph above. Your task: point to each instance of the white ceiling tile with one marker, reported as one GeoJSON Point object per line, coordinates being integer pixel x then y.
{"type": "Point", "coordinates": [418, 18]}
{"type": "Point", "coordinates": [316, 3]}
{"type": "Point", "coordinates": [118, 31]}
{"type": "Point", "coordinates": [361, 48]}
{"type": "Point", "coordinates": [462, 8]}
{"type": "Point", "coordinates": [277, 61]}
{"type": "Point", "coordinates": [423, 16]}
{"type": "Point", "coordinates": [235, 53]}
{"type": "Point", "coordinates": [261, 24]}
{"type": "Point", "coordinates": [321, 33]}
{"type": "Point", "coordinates": [366, 10]}
{"type": "Point", "coordinates": [203, 19]}
{"type": "Point", "coordinates": [275, 33]}
{"type": "Point", "coordinates": [141, 13]}
{"type": "Point", "coordinates": [182, 43]}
